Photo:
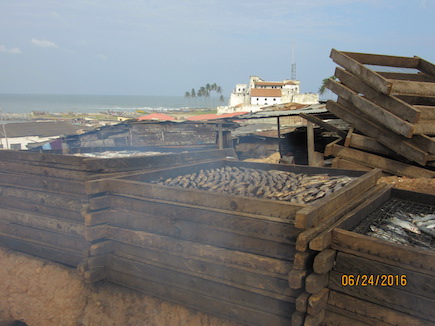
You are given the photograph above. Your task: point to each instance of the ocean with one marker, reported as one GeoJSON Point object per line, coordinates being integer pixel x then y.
{"type": "Point", "coordinates": [26, 103]}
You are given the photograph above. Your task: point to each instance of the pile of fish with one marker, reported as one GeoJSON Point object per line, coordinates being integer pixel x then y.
{"type": "Point", "coordinates": [408, 229]}
{"type": "Point", "coordinates": [271, 184]}
{"type": "Point", "coordinates": [118, 154]}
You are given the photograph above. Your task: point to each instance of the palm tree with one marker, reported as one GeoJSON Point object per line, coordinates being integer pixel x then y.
{"type": "Point", "coordinates": [187, 95]}
{"type": "Point", "coordinates": [193, 93]}
{"type": "Point", "coordinates": [323, 88]}
{"type": "Point", "coordinates": [222, 98]}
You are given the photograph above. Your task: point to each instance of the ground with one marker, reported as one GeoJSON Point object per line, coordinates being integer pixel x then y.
{"type": "Point", "coordinates": [425, 185]}
{"type": "Point", "coordinates": [42, 293]}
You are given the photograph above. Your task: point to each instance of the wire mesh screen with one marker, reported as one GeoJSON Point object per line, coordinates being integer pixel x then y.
{"type": "Point", "coordinates": [402, 70]}
{"type": "Point", "coordinates": [402, 221]}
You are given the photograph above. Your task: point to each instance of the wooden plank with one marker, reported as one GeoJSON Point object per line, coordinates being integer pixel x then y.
{"type": "Point", "coordinates": [427, 112]}
{"type": "Point", "coordinates": [323, 124]}
{"type": "Point", "coordinates": [239, 223]}
{"type": "Point", "coordinates": [280, 209]}
{"type": "Point", "coordinates": [202, 302]}
{"type": "Point", "coordinates": [397, 143]}
{"type": "Point", "coordinates": [256, 282]}
{"type": "Point", "coordinates": [193, 250]}
{"type": "Point", "coordinates": [323, 208]}
{"type": "Point", "coordinates": [390, 103]}
{"type": "Point", "coordinates": [303, 260]}
{"type": "Point", "coordinates": [42, 209]}
{"type": "Point", "coordinates": [357, 319]}
{"type": "Point", "coordinates": [348, 136]}
{"type": "Point", "coordinates": [198, 286]}
{"type": "Point", "coordinates": [69, 202]}
{"type": "Point", "coordinates": [199, 233]}
{"type": "Point", "coordinates": [426, 67]}
{"type": "Point", "coordinates": [43, 222]}
{"type": "Point", "coordinates": [374, 111]}
{"type": "Point", "coordinates": [28, 168]}
{"type": "Point", "coordinates": [369, 144]}
{"type": "Point", "coordinates": [315, 320]}
{"type": "Point", "coordinates": [310, 142]}
{"type": "Point", "coordinates": [379, 162]}
{"type": "Point", "coordinates": [324, 261]}
{"type": "Point", "coordinates": [314, 282]}
{"type": "Point", "coordinates": [35, 248]}
{"type": "Point", "coordinates": [342, 163]}
{"type": "Point", "coordinates": [317, 302]}
{"type": "Point", "coordinates": [416, 283]}
{"type": "Point", "coordinates": [384, 60]}
{"type": "Point", "coordinates": [426, 127]}
{"type": "Point", "coordinates": [369, 76]}
{"type": "Point", "coordinates": [407, 76]}
{"type": "Point", "coordinates": [101, 248]}
{"type": "Point", "coordinates": [406, 256]}
{"type": "Point", "coordinates": [401, 87]}
{"type": "Point", "coordinates": [391, 297]}
{"type": "Point", "coordinates": [156, 161]}
{"type": "Point", "coordinates": [419, 197]}
{"type": "Point", "coordinates": [100, 202]}
{"type": "Point", "coordinates": [59, 240]}
{"type": "Point", "coordinates": [424, 142]}
{"type": "Point", "coordinates": [378, 195]}
{"type": "Point", "coordinates": [43, 158]}
{"type": "Point", "coordinates": [373, 311]}
{"type": "Point", "coordinates": [301, 302]}
{"type": "Point", "coordinates": [43, 183]}
{"type": "Point", "coordinates": [94, 276]}
{"type": "Point", "coordinates": [296, 278]}
{"type": "Point", "coordinates": [302, 243]}
{"type": "Point", "coordinates": [336, 319]}
{"type": "Point", "coordinates": [298, 319]}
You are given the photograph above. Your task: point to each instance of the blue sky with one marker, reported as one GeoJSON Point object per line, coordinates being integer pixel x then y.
{"type": "Point", "coordinates": [150, 47]}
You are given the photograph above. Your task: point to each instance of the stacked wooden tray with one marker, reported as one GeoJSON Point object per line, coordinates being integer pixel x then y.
{"type": "Point", "coordinates": [223, 254]}
{"type": "Point", "coordinates": [401, 291]}
{"type": "Point", "coordinates": [390, 100]}
{"type": "Point", "coordinates": [44, 198]}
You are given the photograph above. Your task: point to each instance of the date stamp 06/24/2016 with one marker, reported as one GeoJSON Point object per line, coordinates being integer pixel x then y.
{"type": "Point", "coordinates": [374, 280]}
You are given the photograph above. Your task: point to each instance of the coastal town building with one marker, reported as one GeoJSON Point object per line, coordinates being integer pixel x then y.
{"type": "Point", "coordinates": [259, 93]}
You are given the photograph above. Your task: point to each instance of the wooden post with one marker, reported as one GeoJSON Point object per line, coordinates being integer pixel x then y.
{"type": "Point", "coordinates": [220, 137]}
{"type": "Point", "coordinates": [279, 137]}
{"type": "Point", "coordinates": [310, 142]}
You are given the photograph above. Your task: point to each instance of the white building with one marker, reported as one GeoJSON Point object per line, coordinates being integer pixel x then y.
{"type": "Point", "coordinates": [259, 93]}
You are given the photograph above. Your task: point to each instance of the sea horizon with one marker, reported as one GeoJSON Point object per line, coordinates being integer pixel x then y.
{"type": "Point", "coordinates": [93, 103]}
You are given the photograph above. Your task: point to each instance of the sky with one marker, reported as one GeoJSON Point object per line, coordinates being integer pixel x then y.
{"type": "Point", "coordinates": [166, 47]}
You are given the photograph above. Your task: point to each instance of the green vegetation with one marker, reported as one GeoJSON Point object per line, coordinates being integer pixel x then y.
{"type": "Point", "coordinates": [323, 88]}
{"type": "Point", "coordinates": [206, 93]}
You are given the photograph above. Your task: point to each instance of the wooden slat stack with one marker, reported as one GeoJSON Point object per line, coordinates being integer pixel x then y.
{"type": "Point", "coordinates": [394, 111]}
{"type": "Point", "coordinates": [42, 198]}
{"type": "Point", "coordinates": [227, 255]}
{"type": "Point", "coordinates": [314, 259]}
{"type": "Point", "coordinates": [407, 300]}
{"type": "Point", "coordinates": [45, 199]}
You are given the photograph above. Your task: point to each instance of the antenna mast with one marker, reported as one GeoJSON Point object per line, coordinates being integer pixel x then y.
{"type": "Point", "coordinates": [293, 69]}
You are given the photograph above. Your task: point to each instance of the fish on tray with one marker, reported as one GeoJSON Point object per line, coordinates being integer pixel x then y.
{"type": "Point", "coordinates": [272, 184]}
{"type": "Point", "coordinates": [406, 228]}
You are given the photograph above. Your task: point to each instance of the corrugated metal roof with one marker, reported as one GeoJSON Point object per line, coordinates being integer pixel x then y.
{"type": "Point", "coordinates": [42, 129]}
{"type": "Point", "coordinates": [312, 109]}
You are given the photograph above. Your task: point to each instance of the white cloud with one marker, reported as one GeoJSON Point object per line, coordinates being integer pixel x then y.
{"type": "Point", "coordinates": [44, 43]}
{"type": "Point", "coordinates": [10, 50]}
